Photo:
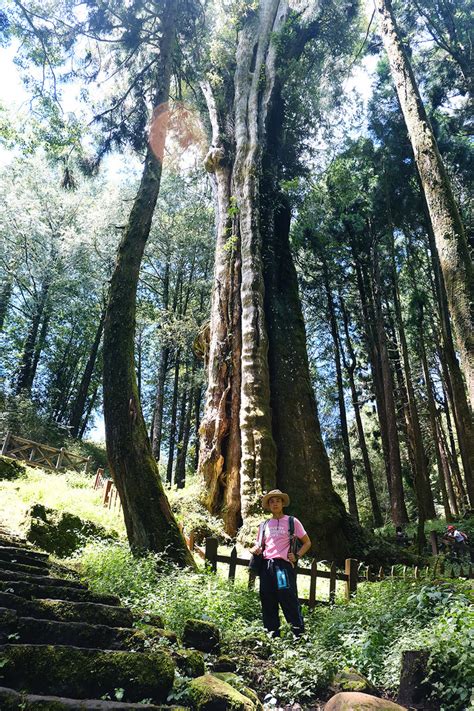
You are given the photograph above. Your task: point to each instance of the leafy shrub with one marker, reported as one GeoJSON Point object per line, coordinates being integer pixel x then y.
{"type": "Point", "coordinates": [369, 633]}
{"type": "Point", "coordinates": [188, 507]}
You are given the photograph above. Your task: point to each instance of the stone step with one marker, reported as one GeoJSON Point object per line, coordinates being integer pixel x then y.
{"type": "Point", "coordinates": [79, 634]}
{"type": "Point", "coordinates": [20, 550]}
{"type": "Point", "coordinates": [21, 556]}
{"type": "Point", "coordinates": [68, 611]}
{"type": "Point", "coordinates": [87, 673]}
{"type": "Point", "coordinates": [11, 700]}
{"type": "Point", "coordinates": [22, 568]}
{"type": "Point", "coordinates": [23, 559]}
{"type": "Point", "coordinates": [53, 592]}
{"type": "Point", "coordinates": [40, 579]}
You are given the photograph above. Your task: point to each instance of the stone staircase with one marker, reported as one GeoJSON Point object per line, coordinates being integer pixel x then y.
{"type": "Point", "coordinates": [65, 647]}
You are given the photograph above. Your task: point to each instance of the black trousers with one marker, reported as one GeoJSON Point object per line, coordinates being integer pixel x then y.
{"type": "Point", "coordinates": [271, 596]}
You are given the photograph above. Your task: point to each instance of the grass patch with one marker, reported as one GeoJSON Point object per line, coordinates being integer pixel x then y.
{"type": "Point", "coordinates": [64, 491]}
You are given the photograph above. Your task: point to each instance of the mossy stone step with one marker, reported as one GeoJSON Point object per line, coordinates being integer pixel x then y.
{"type": "Point", "coordinates": [53, 592]}
{"type": "Point", "coordinates": [23, 557]}
{"type": "Point", "coordinates": [87, 673]}
{"type": "Point", "coordinates": [15, 550]}
{"type": "Point", "coordinates": [23, 568]}
{"type": "Point", "coordinates": [68, 611]}
{"type": "Point", "coordinates": [11, 700]}
{"type": "Point", "coordinates": [79, 634]}
{"type": "Point", "coordinates": [40, 579]}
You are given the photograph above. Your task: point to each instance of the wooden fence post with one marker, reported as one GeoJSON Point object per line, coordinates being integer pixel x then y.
{"type": "Point", "coordinates": [211, 553]}
{"type": "Point", "coordinates": [232, 563]}
{"type": "Point", "coordinates": [191, 542]}
{"type": "Point", "coordinates": [5, 442]}
{"type": "Point", "coordinates": [107, 491]}
{"type": "Point", "coordinates": [351, 572]}
{"type": "Point", "coordinates": [312, 584]}
{"type": "Point", "coordinates": [59, 460]}
{"type": "Point", "coordinates": [332, 582]}
{"type": "Point", "coordinates": [87, 464]}
{"type": "Point", "coordinates": [434, 542]}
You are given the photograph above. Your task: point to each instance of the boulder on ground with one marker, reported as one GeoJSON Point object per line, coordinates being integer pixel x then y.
{"type": "Point", "coordinates": [352, 680]}
{"type": "Point", "coordinates": [225, 664]}
{"type": "Point", "coordinates": [208, 693]}
{"type": "Point", "coordinates": [201, 635]}
{"type": "Point", "coordinates": [357, 701]}
{"type": "Point", "coordinates": [236, 683]}
{"type": "Point", "coordinates": [60, 532]}
{"type": "Point", "coordinates": [190, 662]}
{"type": "Point", "coordinates": [11, 468]}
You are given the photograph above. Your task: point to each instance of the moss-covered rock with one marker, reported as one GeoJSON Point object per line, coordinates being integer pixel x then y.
{"type": "Point", "coordinates": [236, 683]}
{"type": "Point", "coordinates": [352, 680]}
{"type": "Point", "coordinates": [60, 532]}
{"type": "Point", "coordinates": [87, 673]}
{"type": "Point", "coordinates": [11, 468]}
{"type": "Point", "coordinates": [357, 701]}
{"type": "Point", "coordinates": [190, 662]}
{"type": "Point", "coordinates": [208, 693]}
{"type": "Point", "coordinates": [201, 635]}
{"type": "Point", "coordinates": [225, 664]}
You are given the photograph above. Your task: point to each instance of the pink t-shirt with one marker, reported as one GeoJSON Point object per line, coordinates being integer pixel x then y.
{"type": "Point", "coordinates": [277, 537]}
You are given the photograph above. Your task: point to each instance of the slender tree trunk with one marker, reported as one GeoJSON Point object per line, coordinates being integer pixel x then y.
{"type": "Point", "coordinates": [188, 400]}
{"type": "Point", "coordinates": [148, 518]}
{"type": "Point", "coordinates": [5, 296]}
{"type": "Point", "coordinates": [88, 412]}
{"type": "Point", "coordinates": [350, 369]}
{"type": "Point", "coordinates": [27, 368]}
{"type": "Point", "coordinates": [451, 242]}
{"type": "Point", "coordinates": [348, 469]}
{"type": "Point", "coordinates": [399, 513]}
{"type": "Point", "coordinates": [453, 457]}
{"type": "Point", "coordinates": [174, 413]}
{"type": "Point", "coordinates": [77, 410]}
{"type": "Point", "coordinates": [420, 460]}
{"type": "Point", "coordinates": [368, 317]}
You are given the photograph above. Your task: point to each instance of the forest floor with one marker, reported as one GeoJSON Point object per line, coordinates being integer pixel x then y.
{"type": "Point", "coordinates": [368, 634]}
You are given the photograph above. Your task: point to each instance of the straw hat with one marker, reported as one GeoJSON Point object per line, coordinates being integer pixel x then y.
{"type": "Point", "coordinates": [275, 492]}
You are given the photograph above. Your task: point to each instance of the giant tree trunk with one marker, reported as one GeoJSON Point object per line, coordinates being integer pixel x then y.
{"type": "Point", "coordinates": [451, 243]}
{"type": "Point", "coordinates": [260, 426]}
{"type": "Point", "coordinates": [148, 518]}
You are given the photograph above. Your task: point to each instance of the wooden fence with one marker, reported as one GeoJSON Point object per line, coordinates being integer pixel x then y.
{"type": "Point", "coordinates": [110, 495]}
{"type": "Point", "coordinates": [37, 454]}
{"type": "Point", "coordinates": [354, 572]}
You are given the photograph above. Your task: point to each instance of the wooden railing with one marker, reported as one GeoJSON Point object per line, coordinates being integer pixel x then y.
{"type": "Point", "coordinates": [354, 572]}
{"type": "Point", "coordinates": [37, 454]}
{"type": "Point", "coordinates": [110, 495]}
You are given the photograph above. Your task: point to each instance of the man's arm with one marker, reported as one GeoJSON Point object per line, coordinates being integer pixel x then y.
{"type": "Point", "coordinates": [304, 548]}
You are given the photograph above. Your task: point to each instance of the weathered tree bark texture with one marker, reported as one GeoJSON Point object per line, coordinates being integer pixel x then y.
{"type": "Point", "coordinates": [451, 242]}
{"type": "Point", "coordinates": [350, 366]}
{"type": "Point", "coordinates": [260, 426]}
{"type": "Point", "coordinates": [452, 375]}
{"type": "Point", "coordinates": [79, 405]}
{"type": "Point", "coordinates": [148, 518]}
{"type": "Point", "coordinates": [348, 468]}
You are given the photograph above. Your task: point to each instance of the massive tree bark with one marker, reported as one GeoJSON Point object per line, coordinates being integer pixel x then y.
{"type": "Point", "coordinates": [451, 242]}
{"type": "Point", "coordinates": [260, 426]}
{"type": "Point", "coordinates": [148, 518]}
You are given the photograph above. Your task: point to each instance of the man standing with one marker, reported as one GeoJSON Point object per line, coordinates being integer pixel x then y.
{"type": "Point", "coordinates": [278, 542]}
